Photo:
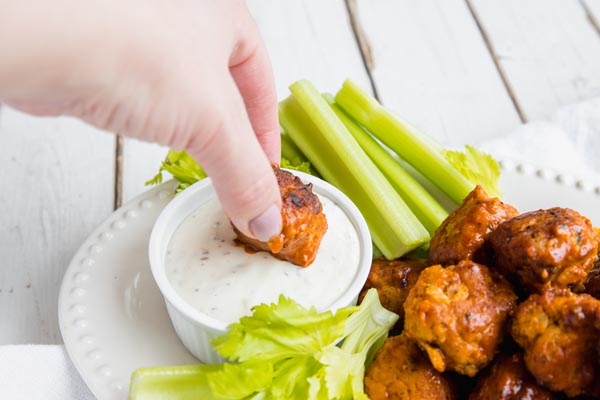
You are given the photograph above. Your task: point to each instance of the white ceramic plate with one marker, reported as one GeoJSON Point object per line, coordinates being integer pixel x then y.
{"type": "Point", "coordinates": [112, 315]}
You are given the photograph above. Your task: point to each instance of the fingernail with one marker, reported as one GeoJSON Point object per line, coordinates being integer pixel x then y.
{"type": "Point", "coordinates": [267, 224]}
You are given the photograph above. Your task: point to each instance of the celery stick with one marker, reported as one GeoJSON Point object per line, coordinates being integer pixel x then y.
{"type": "Point", "coordinates": [423, 205]}
{"type": "Point", "coordinates": [171, 383]}
{"type": "Point", "coordinates": [325, 140]}
{"type": "Point", "coordinates": [376, 252]}
{"type": "Point", "coordinates": [410, 144]}
{"type": "Point", "coordinates": [292, 157]}
{"type": "Point", "coordinates": [290, 151]}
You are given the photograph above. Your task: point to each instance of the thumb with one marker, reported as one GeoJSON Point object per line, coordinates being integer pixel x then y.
{"type": "Point", "coordinates": [239, 168]}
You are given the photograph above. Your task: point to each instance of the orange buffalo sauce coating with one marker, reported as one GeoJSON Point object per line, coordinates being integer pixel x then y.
{"type": "Point", "coordinates": [554, 247]}
{"type": "Point", "coordinates": [393, 280]}
{"type": "Point", "coordinates": [458, 315]}
{"type": "Point", "coordinates": [508, 379]}
{"type": "Point", "coordinates": [400, 371]}
{"type": "Point", "coordinates": [559, 331]}
{"type": "Point", "coordinates": [462, 235]}
{"type": "Point", "coordinates": [303, 223]}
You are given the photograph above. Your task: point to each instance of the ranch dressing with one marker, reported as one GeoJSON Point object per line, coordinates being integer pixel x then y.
{"type": "Point", "coordinates": [218, 278]}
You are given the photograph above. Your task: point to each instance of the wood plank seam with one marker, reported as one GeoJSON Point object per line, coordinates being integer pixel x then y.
{"type": "Point", "coordinates": [501, 72]}
{"type": "Point", "coordinates": [118, 189]}
{"type": "Point", "coordinates": [590, 16]}
{"type": "Point", "coordinates": [363, 43]}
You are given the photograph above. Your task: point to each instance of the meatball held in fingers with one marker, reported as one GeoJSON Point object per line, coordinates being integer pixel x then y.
{"type": "Point", "coordinates": [303, 223]}
{"type": "Point", "coordinates": [458, 315]}
{"type": "Point", "coordinates": [555, 247]}
{"type": "Point", "coordinates": [462, 235]}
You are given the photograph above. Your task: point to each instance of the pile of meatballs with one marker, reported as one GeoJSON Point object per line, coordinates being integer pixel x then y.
{"type": "Point", "coordinates": [505, 307]}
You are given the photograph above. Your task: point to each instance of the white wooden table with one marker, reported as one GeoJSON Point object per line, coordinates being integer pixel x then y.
{"type": "Point", "coordinates": [461, 70]}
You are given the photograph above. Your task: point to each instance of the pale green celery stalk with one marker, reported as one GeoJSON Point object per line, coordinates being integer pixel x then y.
{"type": "Point", "coordinates": [376, 252]}
{"type": "Point", "coordinates": [283, 351]}
{"type": "Point", "coordinates": [292, 157]}
{"type": "Point", "coordinates": [421, 202]}
{"type": "Point", "coordinates": [366, 330]}
{"type": "Point", "coordinates": [171, 383]}
{"type": "Point", "coordinates": [410, 144]}
{"type": "Point", "coordinates": [290, 151]}
{"type": "Point", "coordinates": [326, 142]}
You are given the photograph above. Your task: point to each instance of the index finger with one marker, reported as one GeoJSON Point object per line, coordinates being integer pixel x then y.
{"type": "Point", "coordinates": [254, 79]}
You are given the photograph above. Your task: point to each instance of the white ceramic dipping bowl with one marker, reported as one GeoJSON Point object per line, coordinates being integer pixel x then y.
{"type": "Point", "coordinates": [196, 329]}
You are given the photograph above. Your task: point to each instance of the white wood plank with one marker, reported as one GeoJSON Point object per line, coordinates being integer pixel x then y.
{"type": "Point", "coordinates": [141, 160]}
{"type": "Point", "coordinates": [57, 175]}
{"type": "Point", "coordinates": [548, 48]}
{"type": "Point", "coordinates": [309, 40]}
{"type": "Point", "coordinates": [432, 67]}
{"type": "Point", "coordinates": [305, 39]}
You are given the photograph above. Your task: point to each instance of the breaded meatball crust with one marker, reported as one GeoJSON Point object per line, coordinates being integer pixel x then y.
{"type": "Point", "coordinates": [400, 371]}
{"type": "Point", "coordinates": [303, 223]}
{"type": "Point", "coordinates": [462, 235]}
{"type": "Point", "coordinates": [508, 379]}
{"type": "Point", "coordinates": [554, 247]}
{"type": "Point", "coordinates": [458, 315]}
{"type": "Point", "coordinates": [393, 280]}
{"type": "Point", "coordinates": [559, 332]}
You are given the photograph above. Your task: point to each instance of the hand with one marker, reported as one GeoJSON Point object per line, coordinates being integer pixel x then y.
{"type": "Point", "coordinates": [189, 74]}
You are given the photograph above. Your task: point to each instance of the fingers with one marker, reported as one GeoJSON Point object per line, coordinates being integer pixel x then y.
{"type": "Point", "coordinates": [39, 108]}
{"type": "Point", "coordinates": [240, 171]}
{"type": "Point", "coordinates": [254, 79]}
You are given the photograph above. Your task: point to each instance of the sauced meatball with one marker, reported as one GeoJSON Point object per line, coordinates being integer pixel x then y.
{"type": "Point", "coordinates": [303, 223]}
{"type": "Point", "coordinates": [556, 247]}
{"type": "Point", "coordinates": [559, 332]}
{"type": "Point", "coordinates": [400, 371]}
{"type": "Point", "coordinates": [592, 282]}
{"type": "Point", "coordinates": [458, 315]}
{"type": "Point", "coordinates": [393, 280]}
{"type": "Point", "coordinates": [508, 379]}
{"type": "Point", "coordinates": [462, 235]}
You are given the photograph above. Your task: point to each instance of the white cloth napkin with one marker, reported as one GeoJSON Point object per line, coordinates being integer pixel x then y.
{"type": "Point", "coordinates": [568, 143]}
{"type": "Point", "coordinates": [44, 372]}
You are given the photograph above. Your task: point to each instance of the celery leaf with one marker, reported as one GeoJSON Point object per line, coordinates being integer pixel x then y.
{"type": "Point", "coordinates": [183, 167]}
{"type": "Point", "coordinates": [281, 330]}
{"type": "Point", "coordinates": [478, 167]}
{"type": "Point", "coordinates": [281, 351]}
{"type": "Point", "coordinates": [301, 166]}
